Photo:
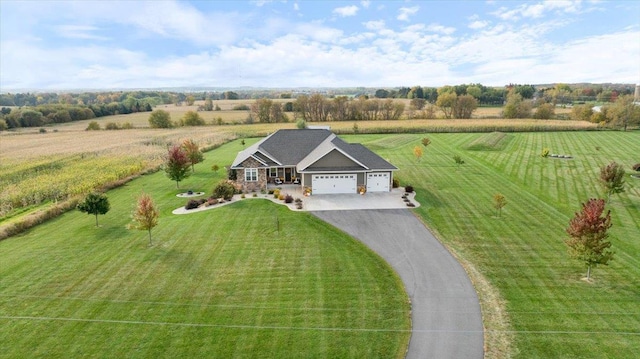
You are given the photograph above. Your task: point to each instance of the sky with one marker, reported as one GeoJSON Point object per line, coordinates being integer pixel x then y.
{"type": "Point", "coordinates": [49, 45]}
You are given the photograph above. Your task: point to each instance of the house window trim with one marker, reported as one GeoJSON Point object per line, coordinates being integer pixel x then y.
{"type": "Point", "coordinates": [251, 175]}
{"type": "Point", "coordinates": [273, 172]}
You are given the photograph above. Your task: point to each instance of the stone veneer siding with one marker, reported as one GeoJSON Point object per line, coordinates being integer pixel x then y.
{"type": "Point", "coordinates": [262, 175]}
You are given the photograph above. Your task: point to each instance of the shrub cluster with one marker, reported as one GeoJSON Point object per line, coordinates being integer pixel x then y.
{"type": "Point", "coordinates": [224, 189]}
{"type": "Point", "coordinates": [194, 203]}
{"type": "Point", "coordinates": [288, 198]}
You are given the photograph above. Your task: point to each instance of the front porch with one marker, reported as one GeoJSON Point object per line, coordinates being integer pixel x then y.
{"type": "Point", "coordinates": [282, 175]}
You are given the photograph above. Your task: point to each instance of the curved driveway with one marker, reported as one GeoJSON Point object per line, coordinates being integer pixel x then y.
{"type": "Point", "coordinates": [445, 312]}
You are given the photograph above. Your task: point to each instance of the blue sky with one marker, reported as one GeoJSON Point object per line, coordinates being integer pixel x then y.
{"type": "Point", "coordinates": [50, 45]}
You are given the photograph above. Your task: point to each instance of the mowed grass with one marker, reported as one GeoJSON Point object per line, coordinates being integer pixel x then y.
{"type": "Point", "coordinates": [553, 313]}
{"type": "Point", "coordinates": [220, 283]}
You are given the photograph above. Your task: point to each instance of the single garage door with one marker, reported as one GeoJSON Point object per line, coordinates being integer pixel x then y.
{"type": "Point", "coordinates": [343, 183]}
{"type": "Point", "coordinates": [378, 182]}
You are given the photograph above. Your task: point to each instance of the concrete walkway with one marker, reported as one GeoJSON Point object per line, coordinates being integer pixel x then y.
{"type": "Point", "coordinates": [445, 314]}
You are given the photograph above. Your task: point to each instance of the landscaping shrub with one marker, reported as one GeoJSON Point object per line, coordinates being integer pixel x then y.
{"type": "Point", "coordinates": [192, 203]}
{"type": "Point", "coordinates": [255, 195]}
{"type": "Point", "coordinates": [636, 167]}
{"type": "Point", "coordinates": [299, 205]}
{"type": "Point", "coordinates": [211, 201]}
{"type": "Point", "coordinates": [288, 198]}
{"type": "Point", "coordinates": [281, 196]}
{"type": "Point", "coordinates": [224, 189]}
{"type": "Point", "coordinates": [276, 193]}
{"type": "Point", "coordinates": [408, 189]}
{"type": "Point", "coordinates": [395, 183]}
{"type": "Point", "coordinates": [298, 200]}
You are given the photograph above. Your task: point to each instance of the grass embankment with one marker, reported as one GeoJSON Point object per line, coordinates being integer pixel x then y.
{"type": "Point", "coordinates": [220, 283]}
{"type": "Point", "coordinates": [552, 312]}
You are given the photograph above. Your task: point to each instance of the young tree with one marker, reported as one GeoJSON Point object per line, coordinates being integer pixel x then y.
{"type": "Point", "coordinates": [193, 153]}
{"type": "Point", "coordinates": [146, 214]}
{"type": "Point", "coordinates": [94, 203]}
{"type": "Point", "coordinates": [588, 232]}
{"type": "Point", "coordinates": [160, 119]}
{"type": "Point", "coordinates": [499, 201]}
{"type": "Point", "coordinates": [612, 178]}
{"type": "Point", "coordinates": [459, 161]}
{"type": "Point", "coordinates": [177, 164]}
{"type": "Point", "coordinates": [417, 151]}
{"type": "Point", "coordinates": [426, 141]}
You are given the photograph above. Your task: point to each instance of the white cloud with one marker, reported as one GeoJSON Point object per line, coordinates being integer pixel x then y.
{"type": "Point", "coordinates": [478, 24]}
{"type": "Point", "coordinates": [539, 9]}
{"type": "Point", "coordinates": [79, 32]}
{"type": "Point", "coordinates": [365, 3]}
{"type": "Point", "coordinates": [405, 12]}
{"type": "Point", "coordinates": [346, 11]}
{"type": "Point", "coordinates": [441, 29]}
{"type": "Point", "coordinates": [374, 25]}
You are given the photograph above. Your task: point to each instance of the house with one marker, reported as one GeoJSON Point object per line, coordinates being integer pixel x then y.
{"type": "Point", "coordinates": [314, 158]}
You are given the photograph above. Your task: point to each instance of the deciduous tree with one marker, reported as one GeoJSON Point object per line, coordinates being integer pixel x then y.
{"type": "Point", "coordinates": [499, 201]}
{"type": "Point", "coordinates": [146, 214]}
{"type": "Point", "coordinates": [160, 119]}
{"type": "Point", "coordinates": [192, 118]}
{"type": "Point", "coordinates": [193, 153]}
{"type": "Point", "coordinates": [94, 203]}
{"type": "Point", "coordinates": [588, 232]}
{"type": "Point", "coordinates": [464, 106]}
{"type": "Point", "coordinates": [417, 151]}
{"type": "Point", "coordinates": [612, 178]}
{"type": "Point", "coordinates": [177, 164]}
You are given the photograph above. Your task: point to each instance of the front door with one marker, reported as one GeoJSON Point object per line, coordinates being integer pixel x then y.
{"type": "Point", "coordinates": [287, 174]}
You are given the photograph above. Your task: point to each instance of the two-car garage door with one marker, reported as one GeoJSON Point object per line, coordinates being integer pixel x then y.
{"type": "Point", "coordinates": [342, 183]}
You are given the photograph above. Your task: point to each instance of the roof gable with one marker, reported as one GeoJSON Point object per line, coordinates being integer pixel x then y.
{"type": "Point", "coordinates": [305, 147]}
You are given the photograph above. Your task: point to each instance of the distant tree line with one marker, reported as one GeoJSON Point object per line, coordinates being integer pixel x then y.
{"type": "Point", "coordinates": [318, 108]}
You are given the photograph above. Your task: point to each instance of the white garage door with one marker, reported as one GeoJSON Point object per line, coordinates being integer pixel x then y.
{"type": "Point", "coordinates": [378, 182]}
{"type": "Point", "coordinates": [343, 183]}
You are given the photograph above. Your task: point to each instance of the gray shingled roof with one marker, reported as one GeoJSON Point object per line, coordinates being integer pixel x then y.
{"type": "Point", "coordinates": [290, 147]}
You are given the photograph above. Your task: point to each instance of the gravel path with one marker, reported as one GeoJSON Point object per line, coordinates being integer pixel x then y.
{"type": "Point", "coordinates": [446, 317]}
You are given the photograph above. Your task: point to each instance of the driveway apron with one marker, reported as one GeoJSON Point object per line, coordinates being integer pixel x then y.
{"type": "Point", "coordinates": [445, 312]}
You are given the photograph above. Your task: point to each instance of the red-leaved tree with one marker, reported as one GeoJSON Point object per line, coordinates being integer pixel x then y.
{"type": "Point", "coordinates": [588, 232]}
{"type": "Point", "coordinates": [177, 164]}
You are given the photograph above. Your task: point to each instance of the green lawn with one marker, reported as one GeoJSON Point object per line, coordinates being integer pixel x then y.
{"type": "Point", "coordinates": [221, 283]}
{"type": "Point", "coordinates": [553, 313]}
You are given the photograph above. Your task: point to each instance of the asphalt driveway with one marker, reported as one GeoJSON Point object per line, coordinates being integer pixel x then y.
{"type": "Point", "coordinates": [445, 314]}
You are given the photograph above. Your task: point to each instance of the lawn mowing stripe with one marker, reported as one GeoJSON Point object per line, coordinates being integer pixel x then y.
{"type": "Point", "coordinates": [258, 327]}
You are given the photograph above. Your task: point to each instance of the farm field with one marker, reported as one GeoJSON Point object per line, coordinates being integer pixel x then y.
{"type": "Point", "coordinates": [219, 283]}
{"type": "Point", "coordinates": [550, 311]}
{"type": "Point", "coordinates": [36, 168]}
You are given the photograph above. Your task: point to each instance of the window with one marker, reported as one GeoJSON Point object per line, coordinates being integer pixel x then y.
{"type": "Point", "coordinates": [251, 175]}
{"type": "Point", "coordinates": [273, 172]}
